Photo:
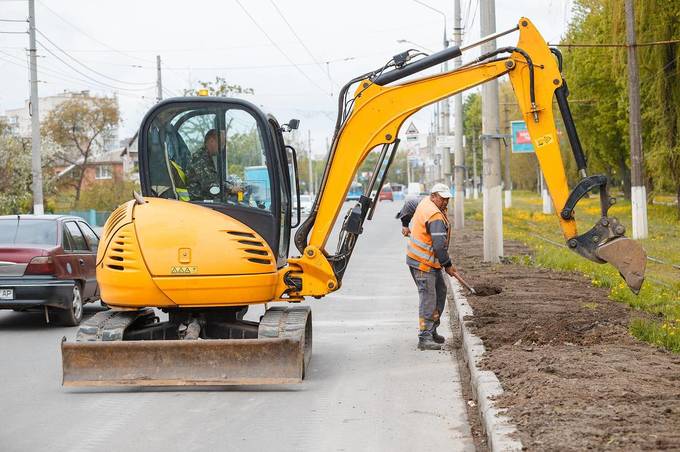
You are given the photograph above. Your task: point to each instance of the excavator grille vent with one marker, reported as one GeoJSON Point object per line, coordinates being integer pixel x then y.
{"type": "Point", "coordinates": [122, 254]}
{"type": "Point", "coordinates": [116, 217]}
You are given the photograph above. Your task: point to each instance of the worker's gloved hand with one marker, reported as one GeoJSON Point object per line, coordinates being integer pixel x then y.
{"type": "Point", "coordinates": [405, 231]}
{"type": "Point", "coordinates": [451, 270]}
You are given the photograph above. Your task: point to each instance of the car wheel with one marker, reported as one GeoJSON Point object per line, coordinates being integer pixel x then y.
{"type": "Point", "coordinates": [73, 313]}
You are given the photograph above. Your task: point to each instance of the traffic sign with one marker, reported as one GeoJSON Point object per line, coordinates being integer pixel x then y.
{"type": "Point", "coordinates": [521, 140]}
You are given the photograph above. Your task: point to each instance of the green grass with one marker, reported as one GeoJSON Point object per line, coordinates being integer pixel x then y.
{"type": "Point", "coordinates": [660, 294]}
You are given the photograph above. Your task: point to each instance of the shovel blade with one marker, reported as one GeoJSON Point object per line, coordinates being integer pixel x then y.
{"type": "Point", "coordinates": [183, 362]}
{"type": "Point", "coordinates": [628, 257]}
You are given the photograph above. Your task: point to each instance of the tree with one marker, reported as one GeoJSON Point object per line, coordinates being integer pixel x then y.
{"type": "Point", "coordinates": [15, 173]}
{"type": "Point", "coordinates": [75, 125]}
{"type": "Point", "coordinates": [219, 88]}
{"type": "Point", "coordinates": [597, 78]}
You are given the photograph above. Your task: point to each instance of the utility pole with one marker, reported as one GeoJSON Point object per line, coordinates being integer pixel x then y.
{"type": "Point", "coordinates": [475, 193]}
{"type": "Point", "coordinates": [36, 164]}
{"type": "Point", "coordinates": [311, 174]}
{"type": "Point", "coordinates": [459, 153]}
{"type": "Point", "coordinates": [159, 81]}
{"type": "Point", "coordinates": [446, 127]}
{"type": "Point", "coordinates": [491, 160]}
{"type": "Point", "coordinates": [507, 180]}
{"type": "Point", "coordinates": [638, 192]}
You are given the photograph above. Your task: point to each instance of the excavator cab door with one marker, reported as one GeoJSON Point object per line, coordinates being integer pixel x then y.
{"type": "Point", "coordinates": [223, 154]}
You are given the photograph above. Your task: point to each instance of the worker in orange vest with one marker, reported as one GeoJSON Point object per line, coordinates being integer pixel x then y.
{"type": "Point", "coordinates": [427, 255]}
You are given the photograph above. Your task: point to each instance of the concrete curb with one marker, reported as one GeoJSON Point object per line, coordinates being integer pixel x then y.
{"type": "Point", "coordinates": [501, 433]}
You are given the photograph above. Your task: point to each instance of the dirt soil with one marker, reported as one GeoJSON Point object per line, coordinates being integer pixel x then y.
{"type": "Point", "coordinates": [574, 378]}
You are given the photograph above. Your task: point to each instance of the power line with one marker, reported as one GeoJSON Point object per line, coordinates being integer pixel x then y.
{"type": "Point", "coordinates": [304, 74]}
{"type": "Point", "coordinates": [14, 20]}
{"type": "Point", "coordinates": [88, 35]}
{"type": "Point", "coordinates": [51, 72]}
{"type": "Point", "coordinates": [13, 32]}
{"type": "Point", "coordinates": [86, 75]}
{"type": "Point", "coordinates": [292, 30]}
{"type": "Point", "coordinates": [639, 44]}
{"type": "Point", "coordinates": [85, 66]}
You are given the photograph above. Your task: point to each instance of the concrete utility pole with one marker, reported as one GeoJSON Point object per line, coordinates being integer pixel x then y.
{"type": "Point", "coordinates": [459, 152]}
{"type": "Point", "coordinates": [545, 195]}
{"type": "Point", "coordinates": [311, 174]}
{"type": "Point", "coordinates": [507, 180]}
{"type": "Point", "coordinates": [446, 121]}
{"type": "Point", "coordinates": [475, 193]}
{"type": "Point", "coordinates": [491, 163]}
{"type": "Point", "coordinates": [638, 192]}
{"type": "Point", "coordinates": [159, 81]}
{"type": "Point", "coordinates": [36, 164]}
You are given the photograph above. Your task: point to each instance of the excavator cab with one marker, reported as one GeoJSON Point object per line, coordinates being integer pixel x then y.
{"type": "Point", "coordinates": [226, 155]}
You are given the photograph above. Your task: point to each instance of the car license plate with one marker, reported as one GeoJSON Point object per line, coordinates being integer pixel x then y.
{"type": "Point", "coordinates": [6, 294]}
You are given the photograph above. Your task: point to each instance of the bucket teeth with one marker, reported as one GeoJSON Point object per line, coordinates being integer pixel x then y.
{"type": "Point", "coordinates": [629, 258]}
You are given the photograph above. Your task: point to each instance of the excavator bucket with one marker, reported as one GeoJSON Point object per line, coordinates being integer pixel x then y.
{"type": "Point", "coordinates": [183, 362]}
{"type": "Point", "coordinates": [629, 258]}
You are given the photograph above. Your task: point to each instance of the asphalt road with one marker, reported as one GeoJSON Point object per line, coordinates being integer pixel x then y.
{"type": "Point", "coordinates": [368, 389]}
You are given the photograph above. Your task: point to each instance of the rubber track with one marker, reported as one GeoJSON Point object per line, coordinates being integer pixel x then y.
{"type": "Point", "coordinates": [279, 322]}
{"type": "Point", "coordinates": [109, 325]}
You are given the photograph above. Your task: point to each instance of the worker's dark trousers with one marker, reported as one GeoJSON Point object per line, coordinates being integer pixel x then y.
{"type": "Point", "coordinates": [432, 293]}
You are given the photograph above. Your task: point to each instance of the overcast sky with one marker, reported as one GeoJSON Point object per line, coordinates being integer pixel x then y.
{"type": "Point", "coordinates": [198, 40]}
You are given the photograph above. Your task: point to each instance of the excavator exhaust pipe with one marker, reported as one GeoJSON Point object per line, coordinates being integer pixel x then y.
{"type": "Point", "coordinates": [277, 353]}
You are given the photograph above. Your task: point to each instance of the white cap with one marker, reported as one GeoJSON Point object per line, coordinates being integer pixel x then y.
{"type": "Point", "coordinates": [442, 190]}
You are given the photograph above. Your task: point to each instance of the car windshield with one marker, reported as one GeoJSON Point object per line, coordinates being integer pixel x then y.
{"type": "Point", "coordinates": [28, 232]}
{"type": "Point", "coordinates": [305, 198]}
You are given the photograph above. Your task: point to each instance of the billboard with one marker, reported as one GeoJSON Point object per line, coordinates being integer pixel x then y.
{"type": "Point", "coordinates": [521, 140]}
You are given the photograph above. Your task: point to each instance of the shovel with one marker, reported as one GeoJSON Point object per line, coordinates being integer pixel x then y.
{"type": "Point", "coordinates": [465, 284]}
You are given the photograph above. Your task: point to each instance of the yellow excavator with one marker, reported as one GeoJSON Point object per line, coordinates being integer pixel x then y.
{"type": "Point", "coordinates": [210, 235]}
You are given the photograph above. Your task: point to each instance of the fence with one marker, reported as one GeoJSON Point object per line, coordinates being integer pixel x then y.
{"type": "Point", "coordinates": [94, 217]}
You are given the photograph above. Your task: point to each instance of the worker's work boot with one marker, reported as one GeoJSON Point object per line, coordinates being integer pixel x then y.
{"type": "Point", "coordinates": [438, 338]}
{"type": "Point", "coordinates": [427, 343]}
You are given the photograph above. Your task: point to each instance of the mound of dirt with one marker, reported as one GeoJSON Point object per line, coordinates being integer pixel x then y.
{"type": "Point", "coordinates": [574, 378]}
{"type": "Point", "coordinates": [485, 291]}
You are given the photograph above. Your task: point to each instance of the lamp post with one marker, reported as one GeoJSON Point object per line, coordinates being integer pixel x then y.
{"type": "Point", "coordinates": [444, 121]}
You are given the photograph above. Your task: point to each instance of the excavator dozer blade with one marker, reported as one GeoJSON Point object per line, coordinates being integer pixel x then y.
{"type": "Point", "coordinates": [629, 258]}
{"type": "Point", "coordinates": [183, 362]}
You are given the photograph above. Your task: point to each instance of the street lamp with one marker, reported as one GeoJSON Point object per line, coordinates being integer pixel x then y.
{"type": "Point", "coordinates": [446, 41]}
{"type": "Point", "coordinates": [445, 169]}
{"type": "Point", "coordinates": [406, 41]}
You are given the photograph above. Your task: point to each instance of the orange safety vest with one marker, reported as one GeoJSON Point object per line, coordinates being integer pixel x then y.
{"type": "Point", "coordinates": [420, 241]}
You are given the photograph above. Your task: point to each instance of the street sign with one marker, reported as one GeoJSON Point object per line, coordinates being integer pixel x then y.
{"type": "Point", "coordinates": [412, 133]}
{"type": "Point", "coordinates": [521, 140]}
{"type": "Point", "coordinates": [445, 141]}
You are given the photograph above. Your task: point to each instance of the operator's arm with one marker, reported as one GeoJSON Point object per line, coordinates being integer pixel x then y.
{"type": "Point", "coordinates": [439, 233]}
{"type": "Point", "coordinates": [406, 212]}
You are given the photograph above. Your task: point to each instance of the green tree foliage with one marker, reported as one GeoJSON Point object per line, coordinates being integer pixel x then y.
{"type": "Point", "coordinates": [218, 88]}
{"type": "Point", "coordinates": [74, 126]}
{"type": "Point", "coordinates": [598, 81]}
{"type": "Point", "coordinates": [106, 195]}
{"type": "Point", "coordinates": [15, 173]}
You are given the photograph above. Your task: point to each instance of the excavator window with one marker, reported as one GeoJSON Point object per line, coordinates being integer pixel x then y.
{"type": "Point", "coordinates": [210, 155]}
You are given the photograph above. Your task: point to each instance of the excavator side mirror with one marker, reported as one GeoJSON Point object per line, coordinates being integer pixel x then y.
{"type": "Point", "coordinates": [293, 124]}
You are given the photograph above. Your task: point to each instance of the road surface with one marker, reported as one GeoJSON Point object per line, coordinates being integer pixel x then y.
{"type": "Point", "coordinates": [368, 389]}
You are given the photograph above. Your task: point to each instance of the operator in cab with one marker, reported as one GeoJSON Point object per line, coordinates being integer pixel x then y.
{"type": "Point", "coordinates": [427, 257]}
{"type": "Point", "coordinates": [202, 174]}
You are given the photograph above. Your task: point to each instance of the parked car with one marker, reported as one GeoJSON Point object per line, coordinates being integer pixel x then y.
{"type": "Point", "coordinates": [306, 202]}
{"type": "Point", "coordinates": [48, 262]}
{"type": "Point", "coordinates": [386, 193]}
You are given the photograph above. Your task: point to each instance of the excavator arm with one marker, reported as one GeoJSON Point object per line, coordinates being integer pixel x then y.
{"type": "Point", "coordinates": [378, 110]}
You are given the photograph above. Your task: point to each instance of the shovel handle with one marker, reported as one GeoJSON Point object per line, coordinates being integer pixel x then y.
{"type": "Point", "coordinates": [462, 281]}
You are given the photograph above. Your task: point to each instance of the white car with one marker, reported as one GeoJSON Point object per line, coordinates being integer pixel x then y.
{"type": "Point", "coordinates": [306, 202]}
